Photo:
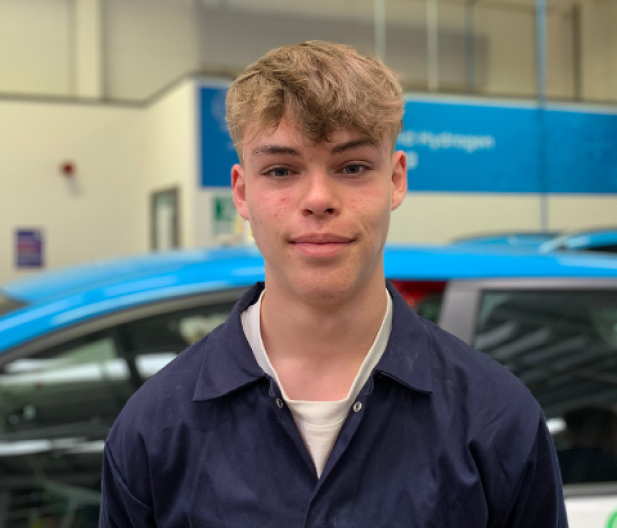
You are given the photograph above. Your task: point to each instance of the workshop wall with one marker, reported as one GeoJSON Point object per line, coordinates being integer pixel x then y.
{"type": "Point", "coordinates": [99, 212]}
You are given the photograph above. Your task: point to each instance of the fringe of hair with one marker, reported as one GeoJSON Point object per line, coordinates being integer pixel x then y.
{"type": "Point", "coordinates": [323, 87]}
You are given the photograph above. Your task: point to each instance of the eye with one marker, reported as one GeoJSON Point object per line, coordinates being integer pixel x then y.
{"type": "Point", "coordinates": [278, 172]}
{"type": "Point", "coordinates": [354, 169]}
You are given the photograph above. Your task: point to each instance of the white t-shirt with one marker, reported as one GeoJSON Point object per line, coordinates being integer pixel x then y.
{"type": "Point", "coordinates": [319, 422]}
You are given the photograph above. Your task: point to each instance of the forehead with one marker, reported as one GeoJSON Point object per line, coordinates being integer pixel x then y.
{"type": "Point", "coordinates": [289, 134]}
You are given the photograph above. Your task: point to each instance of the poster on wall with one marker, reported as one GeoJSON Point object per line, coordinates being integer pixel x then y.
{"type": "Point", "coordinates": [29, 248]}
{"type": "Point", "coordinates": [469, 145]}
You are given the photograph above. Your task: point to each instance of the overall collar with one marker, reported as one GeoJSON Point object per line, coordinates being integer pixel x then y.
{"type": "Point", "coordinates": [407, 358]}
{"type": "Point", "coordinates": [229, 363]}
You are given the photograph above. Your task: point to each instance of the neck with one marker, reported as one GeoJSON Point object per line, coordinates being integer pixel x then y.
{"type": "Point", "coordinates": [317, 347]}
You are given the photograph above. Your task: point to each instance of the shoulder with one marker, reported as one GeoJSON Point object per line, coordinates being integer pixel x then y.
{"type": "Point", "coordinates": [220, 362]}
{"type": "Point", "coordinates": [497, 412]}
{"type": "Point", "coordinates": [500, 421]}
{"type": "Point", "coordinates": [489, 391]}
{"type": "Point", "coordinates": [443, 364]}
{"type": "Point", "coordinates": [479, 378]}
{"type": "Point", "coordinates": [482, 397]}
{"type": "Point", "coordinates": [481, 370]}
{"type": "Point", "coordinates": [162, 400]}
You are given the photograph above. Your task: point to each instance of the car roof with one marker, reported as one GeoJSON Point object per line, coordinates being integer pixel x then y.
{"type": "Point", "coordinates": [585, 240]}
{"type": "Point", "coordinates": [66, 297]}
{"type": "Point", "coordinates": [107, 273]}
{"type": "Point", "coordinates": [513, 239]}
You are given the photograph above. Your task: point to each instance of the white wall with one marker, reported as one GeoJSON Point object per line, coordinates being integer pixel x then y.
{"type": "Point", "coordinates": [511, 67]}
{"type": "Point", "coordinates": [122, 155]}
{"type": "Point", "coordinates": [440, 217]}
{"type": "Point", "coordinates": [599, 61]}
{"type": "Point", "coordinates": [435, 218]}
{"type": "Point", "coordinates": [560, 52]}
{"type": "Point", "coordinates": [170, 158]}
{"type": "Point", "coordinates": [102, 212]}
{"type": "Point", "coordinates": [35, 46]}
{"type": "Point", "coordinates": [148, 44]}
{"type": "Point", "coordinates": [571, 212]}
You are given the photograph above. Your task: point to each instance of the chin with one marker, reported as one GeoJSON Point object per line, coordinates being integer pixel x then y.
{"type": "Point", "coordinates": [330, 286]}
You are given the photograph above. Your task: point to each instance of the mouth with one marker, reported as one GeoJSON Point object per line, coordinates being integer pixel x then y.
{"type": "Point", "coordinates": [321, 244]}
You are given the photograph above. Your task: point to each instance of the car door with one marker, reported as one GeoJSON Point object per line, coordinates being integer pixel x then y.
{"type": "Point", "coordinates": [55, 409]}
{"type": "Point", "coordinates": [559, 337]}
{"type": "Point", "coordinates": [60, 395]}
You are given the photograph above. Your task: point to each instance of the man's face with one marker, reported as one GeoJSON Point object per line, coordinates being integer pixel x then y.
{"type": "Point", "coordinates": [319, 212]}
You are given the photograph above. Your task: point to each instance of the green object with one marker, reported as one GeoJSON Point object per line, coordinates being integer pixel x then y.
{"type": "Point", "coordinates": [224, 214]}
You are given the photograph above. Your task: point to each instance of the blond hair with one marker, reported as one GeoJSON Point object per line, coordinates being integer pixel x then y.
{"type": "Point", "coordinates": [323, 87]}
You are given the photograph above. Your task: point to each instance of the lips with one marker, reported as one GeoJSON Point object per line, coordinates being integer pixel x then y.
{"type": "Point", "coordinates": [321, 238]}
{"type": "Point", "coordinates": [321, 244]}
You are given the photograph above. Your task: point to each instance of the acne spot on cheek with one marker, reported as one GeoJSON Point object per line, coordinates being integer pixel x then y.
{"type": "Point", "coordinates": [279, 207]}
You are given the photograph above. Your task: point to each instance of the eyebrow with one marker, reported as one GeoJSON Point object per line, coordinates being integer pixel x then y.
{"type": "Point", "coordinates": [338, 149]}
{"type": "Point", "coordinates": [353, 144]}
{"type": "Point", "coordinates": [274, 149]}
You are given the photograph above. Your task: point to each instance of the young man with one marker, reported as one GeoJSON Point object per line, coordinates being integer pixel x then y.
{"type": "Point", "coordinates": [324, 400]}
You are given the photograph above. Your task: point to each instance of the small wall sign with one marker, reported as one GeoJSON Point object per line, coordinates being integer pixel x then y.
{"type": "Point", "coordinates": [29, 248]}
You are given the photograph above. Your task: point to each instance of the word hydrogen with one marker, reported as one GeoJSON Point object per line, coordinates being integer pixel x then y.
{"type": "Point", "coordinates": [445, 140]}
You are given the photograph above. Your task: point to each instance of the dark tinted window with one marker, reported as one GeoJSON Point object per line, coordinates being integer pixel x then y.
{"type": "Point", "coordinates": [563, 345]}
{"type": "Point", "coordinates": [57, 406]}
{"type": "Point", "coordinates": [605, 249]}
{"type": "Point", "coordinates": [55, 410]}
{"type": "Point", "coordinates": [152, 342]}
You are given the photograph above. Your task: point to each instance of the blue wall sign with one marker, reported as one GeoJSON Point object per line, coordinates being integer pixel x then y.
{"type": "Point", "coordinates": [218, 154]}
{"type": "Point", "coordinates": [462, 147]}
{"type": "Point", "coordinates": [582, 152]}
{"type": "Point", "coordinates": [465, 148]}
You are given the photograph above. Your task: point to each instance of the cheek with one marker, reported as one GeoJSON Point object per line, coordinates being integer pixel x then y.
{"type": "Point", "coordinates": [279, 206]}
{"type": "Point", "coordinates": [373, 205]}
{"type": "Point", "coordinates": [268, 209]}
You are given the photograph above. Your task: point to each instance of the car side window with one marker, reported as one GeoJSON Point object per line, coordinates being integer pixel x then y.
{"type": "Point", "coordinates": [55, 410]}
{"type": "Point", "coordinates": [150, 343]}
{"type": "Point", "coordinates": [563, 346]}
{"type": "Point", "coordinates": [76, 383]}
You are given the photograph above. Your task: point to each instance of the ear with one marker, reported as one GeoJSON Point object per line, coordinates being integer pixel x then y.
{"type": "Point", "coordinates": [399, 178]}
{"type": "Point", "coordinates": [238, 186]}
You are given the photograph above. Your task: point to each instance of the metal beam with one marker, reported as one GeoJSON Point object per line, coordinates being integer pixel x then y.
{"type": "Point", "coordinates": [380, 29]}
{"type": "Point", "coordinates": [541, 72]}
{"type": "Point", "coordinates": [432, 36]}
{"type": "Point", "coordinates": [470, 46]}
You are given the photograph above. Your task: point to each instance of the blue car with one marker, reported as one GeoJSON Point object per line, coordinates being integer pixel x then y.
{"type": "Point", "coordinates": [601, 240]}
{"type": "Point", "coordinates": [76, 343]}
{"type": "Point", "coordinates": [532, 239]}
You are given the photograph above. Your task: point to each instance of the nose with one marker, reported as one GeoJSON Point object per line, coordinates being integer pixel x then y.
{"type": "Point", "coordinates": [320, 195]}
